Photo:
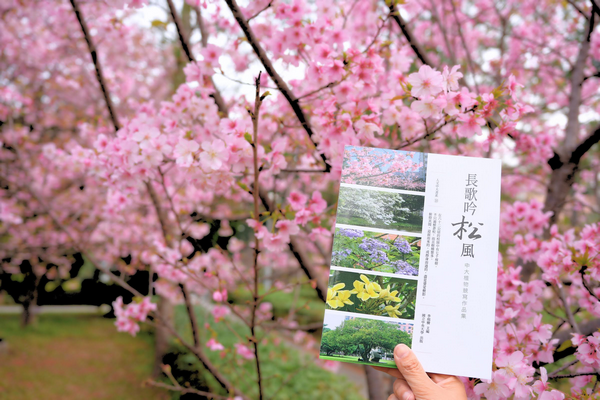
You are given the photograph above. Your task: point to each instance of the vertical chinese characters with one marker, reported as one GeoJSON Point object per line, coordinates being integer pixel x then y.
{"type": "Point", "coordinates": [464, 226]}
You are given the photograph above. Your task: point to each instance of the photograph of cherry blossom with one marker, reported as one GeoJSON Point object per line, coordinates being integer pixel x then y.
{"type": "Point", "coordinates": [380, 209]}
{"type": "Point", "coordinates": [393, 169]}
{"type": "Point", "coordinates": [371, 294]}
{"type": "Point", "coordinates": [382, 252]}
{"type": "Point", "coordinates": [360, 340]}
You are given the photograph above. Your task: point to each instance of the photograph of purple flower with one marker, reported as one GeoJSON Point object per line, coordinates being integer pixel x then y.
{"type": "Point", "coordinates": [373, 251]}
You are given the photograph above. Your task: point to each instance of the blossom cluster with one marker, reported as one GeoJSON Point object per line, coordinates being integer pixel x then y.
{"type": "Point", "coordinates": [129, 316]}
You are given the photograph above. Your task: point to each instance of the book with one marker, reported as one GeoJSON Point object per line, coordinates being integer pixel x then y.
{"type": "Point", "coordinates": [414, 261]}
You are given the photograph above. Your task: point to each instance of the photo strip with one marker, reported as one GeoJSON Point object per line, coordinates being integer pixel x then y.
{"type": "Point", "coordinates": [375, 251]}
{"type": "Point", "coordinates": [385, 168]}
{"type": "Point", "coordinates": [380, 209]}
{"type": "Point", "coordinates": [371, 294]}
{"type": "Point", "coordinates": [359, 340]}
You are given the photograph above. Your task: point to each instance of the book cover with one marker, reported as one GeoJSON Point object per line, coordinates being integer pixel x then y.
{"type": "Point", "coordinates": [414, 261]}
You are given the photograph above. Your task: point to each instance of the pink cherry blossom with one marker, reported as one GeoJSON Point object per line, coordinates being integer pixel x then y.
{"type": "Point", "coordinates": [426, 82]}
{"type": "Point", "coordinates": [184, 152]}
{"type": "Point", "coordinates": [244, 351]}
{"type": "Point", "coordinates": [213, 345]}
{"type": "Point", "coordinates": [214, 154]}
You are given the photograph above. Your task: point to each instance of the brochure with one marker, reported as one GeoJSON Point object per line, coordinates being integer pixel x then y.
{"type": "Point", "coordinates": [414, 261]}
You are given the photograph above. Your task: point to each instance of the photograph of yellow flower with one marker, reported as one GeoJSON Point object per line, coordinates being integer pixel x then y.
{"type": "Point", "coordinates": [371, 294]}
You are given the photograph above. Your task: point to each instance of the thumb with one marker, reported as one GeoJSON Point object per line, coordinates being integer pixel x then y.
{"type": "Point", "coordinates": [412, 371]}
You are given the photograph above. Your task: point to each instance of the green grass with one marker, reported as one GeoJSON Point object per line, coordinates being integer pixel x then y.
{"type": "Point", "coordinates": [74, 357]}
{"type": "Point", "coordinates": [289, 373]}
{"type": "Point", "coordinates": [408, 226]}
{"type": "Point", "coordinates": [354, 360]}
{"type": "Point", "coordinates": [308, 308]}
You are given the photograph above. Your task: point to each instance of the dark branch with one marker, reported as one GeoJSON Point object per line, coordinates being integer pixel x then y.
{"type": "Point", "coordinates": [585, 146]}
{"type": "Point", "coordinates": [97, 65]}
{"type": "Point", "coordinates": [408, 35]}
{"type": "Point", "coordinates": [186, 49]}
{"type": "Point", "coordinates": [190, 310]}
{"type": "Point", "coordinates": [260, 12]}
{"type": "Point", "coordinates": [298, 254]}
{"type": "Point", "coordinates": [283, 87]}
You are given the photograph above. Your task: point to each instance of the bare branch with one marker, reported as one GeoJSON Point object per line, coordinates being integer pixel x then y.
{"type": "Point", "coordinates": [184, 390]}
{"type": "Point", "coordinates": [255, 190]}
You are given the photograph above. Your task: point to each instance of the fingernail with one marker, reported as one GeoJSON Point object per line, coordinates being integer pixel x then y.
{"type": "Point", "coordinates": [408, 396]}
{"type": "Point", "coordinates": [401, 351]}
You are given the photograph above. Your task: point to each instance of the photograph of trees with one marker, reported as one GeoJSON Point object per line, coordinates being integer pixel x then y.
{"type": "Point", "coordinates": [378, 209]}
{"type": "Point", "coordinates": [383, 252]}
{"type": "Point", "coordinates": [371, 294]}
{"type": "Point", "coordinates": [385, 168]}
{"type": "Point", "coordinates": [362, 341]}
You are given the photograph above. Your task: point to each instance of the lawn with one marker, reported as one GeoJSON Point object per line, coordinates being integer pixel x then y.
{"type": "Point", "coordinates": [290, 373]}
{"type": "Point", "coordinates": [74, 357]}
{"type": "Point", "coordinates": [412, 224]}
{"type": "Point", "coordinates": [354, 360]}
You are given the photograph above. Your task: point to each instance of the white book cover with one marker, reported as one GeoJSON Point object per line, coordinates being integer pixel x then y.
{"type": "Point", "coordinates": [414, 261]}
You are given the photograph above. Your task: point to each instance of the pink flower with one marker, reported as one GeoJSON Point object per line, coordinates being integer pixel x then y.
{"type": "Point", "coordinates": [193, 72]}
{"type": "Point", "coordinates": [214, 154]}
{"type": "Point", "coordinates": [297, 200]}
{"type": "Point", "coordinates": [471, 125]}
{"type": "Point", "coordinates": [316, 204]}
{"type": "Point", "coordinates": [426, 82]}
{"type": "Point", "coordinates": [512, 85]}
{"type": "Point", "coordinates": [302, 217]}
{"type": "Point", "coordinates": [496, 389]}
{"type": "Point", "coordinates": [219, 312]}
{"type": "Point", "coordinates": [451, 78]}
{"type": "Point", "coordinates": [214, 345]}
{"type": "Point", "coordinates": [428, 106]}
{"type": "Point", "coordinates": [244, 351]}
{"type": "Point", "coordinates": [128, 316]}
{"type": "Point", "coordinates": [211, 54]}
{"type": "Point", "coordinates": [184, 152]}
{"type": "Point", "coordinates": [319, 232]}
{"type": "Point", "coordinates": [101, 143]}
{"type": "Point", "coordinates": [287, 227]}
{"type": "Point", "coordinates": [220, 296]}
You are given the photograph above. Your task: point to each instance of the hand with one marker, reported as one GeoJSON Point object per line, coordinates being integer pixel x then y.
{"type": "Point", "coordinates": [414, 383]}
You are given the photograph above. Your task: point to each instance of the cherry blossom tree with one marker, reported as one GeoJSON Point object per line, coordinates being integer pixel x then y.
{"type": "Point", "coordinates": [103, 155]}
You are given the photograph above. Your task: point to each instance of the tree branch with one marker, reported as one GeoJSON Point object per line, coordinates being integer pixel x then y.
{"type": "Point", "coordinates": [190, 310]}
{"type": "Point", "coordinates": [97, 65]}
{"type": "Point", "coordinates": [300, 255]}
{"type": "Point", "coordinates": [408, 35]}
{"type": "Point", "coordinates": [572, 128]}
{"type": "Point", "coordinates": [255, 190]}
{"type": "Point", "coordinates": [266, 62]}
{"type": "Point", "coordinates": [186, 49]}
{"type": "Point", "coordinates": [185, 390]}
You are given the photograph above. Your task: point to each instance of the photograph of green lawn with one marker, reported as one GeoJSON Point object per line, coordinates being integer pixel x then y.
{"type": "Point", "coordinates": [362, 341]}
{"type": "Point", "coordinates": [380, 209]}
{"type": "Point", "coordinates": [371, 294]}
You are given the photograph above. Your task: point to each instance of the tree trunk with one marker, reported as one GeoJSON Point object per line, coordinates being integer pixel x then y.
{"type": "Point", "coordinates": [162, 335]}
{"type": "Point", "coordinates": [28, 315]}
{"type": "Point", "coordinates": [375, 384]}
